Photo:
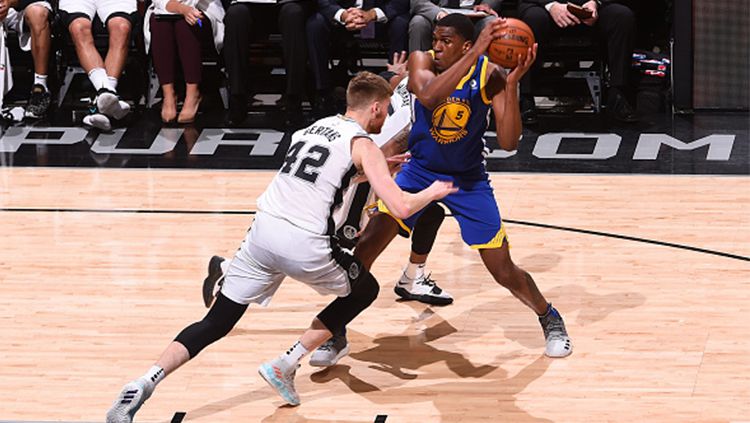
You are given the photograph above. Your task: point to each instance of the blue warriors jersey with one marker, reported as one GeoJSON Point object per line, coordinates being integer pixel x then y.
{"type": "Point", "coordinates": [449, 139]}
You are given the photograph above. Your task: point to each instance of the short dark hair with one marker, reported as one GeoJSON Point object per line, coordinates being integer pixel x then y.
{"type": "Point", "coordinates": [365, 88]}
{"type": "Point", "coordinates": [460, 23]}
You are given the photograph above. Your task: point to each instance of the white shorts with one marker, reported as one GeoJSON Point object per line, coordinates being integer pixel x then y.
{"type": "Point", "coordinates": [103, 8]}
{"type": "Point", "coordinates": [15, 21]}
{"type": "Point", "coordinates": [273, 249]}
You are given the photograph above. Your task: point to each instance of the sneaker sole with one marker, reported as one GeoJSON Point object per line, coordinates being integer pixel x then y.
{"type": "Point", "coordinates": [214, 273]}
{"type": "Point", "coordinates": [110, 105]}
{"type": "Point", "coordinates": [343, 353]}
{"type": "Point", "coordinates": [266, 372]}
{"type": "Point", "coordinates": [427, 299]}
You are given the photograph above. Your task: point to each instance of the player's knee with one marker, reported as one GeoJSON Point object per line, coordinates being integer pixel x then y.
{"type": "Point", "coordinates": [219, 321]}
{"type": "Point", "coordinates": [119, 28]}
{"type": "Point", "coordinates": [426, 228]}
{"type": "Point", "coordinates": [343, 310]}
{"type": "Point", "coordinates": [80, 28]}
{"type": "Point", "coordinates": [36, 16]}
{"type": "Point", "coordinates": [366, 290]}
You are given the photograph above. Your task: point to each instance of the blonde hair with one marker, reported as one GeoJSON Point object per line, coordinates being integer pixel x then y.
{"type": "Point", "coordinates": [365, 88]}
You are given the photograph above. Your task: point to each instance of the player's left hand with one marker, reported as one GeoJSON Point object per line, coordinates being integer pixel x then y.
{"type": "Point", "coordinates": [395, 162]}
{"type": "Point", "coordinates": [398, 66]}
{"type": "Point", "coordinates": [523, 66]}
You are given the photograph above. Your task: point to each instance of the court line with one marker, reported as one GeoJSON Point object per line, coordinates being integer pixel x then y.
{"type": "Point", "coordinates": [512, 221]}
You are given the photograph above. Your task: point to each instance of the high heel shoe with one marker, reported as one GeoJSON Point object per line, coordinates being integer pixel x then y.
{"type": "Point", "coordinates": [184, 118]}
{"type": "Point", "coordinates": [172, 116]}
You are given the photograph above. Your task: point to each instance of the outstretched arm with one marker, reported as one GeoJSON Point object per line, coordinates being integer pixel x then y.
{"type": "Point", "coordinates": [368, 157]}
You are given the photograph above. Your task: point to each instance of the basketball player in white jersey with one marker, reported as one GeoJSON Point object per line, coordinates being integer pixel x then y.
{"type": "Point", "coordinates": [351, 217]}
{"type": "Point", "coordinates": [293, 235]}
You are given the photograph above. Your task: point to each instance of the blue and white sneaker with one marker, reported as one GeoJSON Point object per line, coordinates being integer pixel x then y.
{"type": "Point", "coordinates": [131, 398]}
{"type": "Point", "coordinates": [555, 334]}
{"type": "Point", "coordinates": [281, 379]}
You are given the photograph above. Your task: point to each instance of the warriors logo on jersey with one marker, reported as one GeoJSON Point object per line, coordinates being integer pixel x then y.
{"type": "Point", "coordinates": [449, 120]}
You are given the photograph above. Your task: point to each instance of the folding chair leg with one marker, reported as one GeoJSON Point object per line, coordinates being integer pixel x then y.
{"type": "Point", "coordinates": [70, 72]}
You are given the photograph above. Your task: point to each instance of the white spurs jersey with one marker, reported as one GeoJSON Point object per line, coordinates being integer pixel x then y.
{"type": "Point", "coordinates": [316, 170]}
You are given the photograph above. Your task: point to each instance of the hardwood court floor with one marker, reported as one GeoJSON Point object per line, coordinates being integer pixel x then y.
{"type": "Point", "coordinates": [90, 298]}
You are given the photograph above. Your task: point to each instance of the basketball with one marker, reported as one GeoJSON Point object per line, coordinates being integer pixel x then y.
{"type": "Point", "coordinates": [514, 41]}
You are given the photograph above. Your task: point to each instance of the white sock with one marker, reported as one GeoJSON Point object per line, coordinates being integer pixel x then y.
{"type": "Point", "coordinates": [414, 270]}
{"type": "Point", "coordinates": [155, 375]}
{"type": "Point", "coordinates": [294, 355]}
{"type": "Point", "coordinates": [41, 80]}
{"type": "Point", "coordinates": [98, 77]}
{"type": "Point", "coordinates": [111, 83]}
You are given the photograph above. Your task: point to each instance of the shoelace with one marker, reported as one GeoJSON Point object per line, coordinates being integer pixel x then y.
{"type": "Point", "coordinates": [327, 346]}
{"type": "Point", "coordinates": [427, 280]}
{"type": "Point", "coordinates": [555, 328]}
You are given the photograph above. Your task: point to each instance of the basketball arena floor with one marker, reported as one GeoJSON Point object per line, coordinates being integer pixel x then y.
{"type": "Point", "coordinates": [639, 235]}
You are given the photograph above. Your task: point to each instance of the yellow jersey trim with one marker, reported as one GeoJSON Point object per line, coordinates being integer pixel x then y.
{"type": "Point", "coordinates": [483, 81]}
{"type": "Point", "coordinates": [495, 242]}
{"type": "Point", "coordinates": [384, 209]}
{"type": "Point", "coordinates": [466, 78]}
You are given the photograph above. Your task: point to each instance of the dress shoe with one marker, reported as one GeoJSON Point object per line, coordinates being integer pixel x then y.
{"type": "Point", "coordinates": [618, 107]}
{"type": "Point", "coordinates": [237, 109]}
{"type": "Point", "coordinates": [528, 110]}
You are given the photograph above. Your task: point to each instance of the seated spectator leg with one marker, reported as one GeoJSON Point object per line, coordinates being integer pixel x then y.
{"type": "Point", "coordinates": [398, 15]}
{"type": "Point", "coordinates": [118, 28]}
{"type": "Point", "coordinates": [37, 19]}
{"type": "Point", "coordinates": [398, 35]}
{"type": "Point", "coordinates": [163, 56]}
{"type": "Point", "coordinates": [88, 56]}
{"type": "Point", "coordinates": [189, 48]}
{"type": "Point", "coordinates": [319, 48]}
{"type": "Point", "coordinates": [543, 27]}
{"type": "Point", "coordinates": [292, 17]}
{"type": "Point", "coordinates": [420, 34]}
{"type": "Point", "coordinates": [616, 25]}
{"type": "Point", "coordinates": [237, 24]}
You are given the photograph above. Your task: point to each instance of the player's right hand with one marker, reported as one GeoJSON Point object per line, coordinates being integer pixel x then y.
{"type": "Point", "coordinates": [491, 31]}
{"type": "Point", "coordinates": [440, 189]}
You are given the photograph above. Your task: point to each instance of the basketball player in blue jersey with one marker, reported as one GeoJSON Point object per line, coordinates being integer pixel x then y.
{"type": "Point", "coordinates": [456, 87]}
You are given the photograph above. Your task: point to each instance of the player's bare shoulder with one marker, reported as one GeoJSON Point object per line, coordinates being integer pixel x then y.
{"type": "Point", "coordinates": [496, 78]}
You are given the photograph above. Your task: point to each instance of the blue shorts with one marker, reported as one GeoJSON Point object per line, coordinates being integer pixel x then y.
{"type": "Point", "coordinates": [473, 206]}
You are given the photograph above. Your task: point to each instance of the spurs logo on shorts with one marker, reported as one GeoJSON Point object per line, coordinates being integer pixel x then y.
{"type": "Point", "coordinates": [354, 271]}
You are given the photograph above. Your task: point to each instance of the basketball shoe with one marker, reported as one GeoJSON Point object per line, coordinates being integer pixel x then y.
{"type": "Point", "coordinates": [281, 378]}
{"type": "Point", "coordinates": [330, 352]}
{"type": "Point", "coordinates": [98, 121]}
{"type": "Point", "coordinates": [215, 279]}
{"type": "Point", "coordinates": [422, 289]}
{"type": "Point", "coordinates": [558, 342]}
{"type": "Point", "coordinates": [110, 104]}
{"type": "Point", "coordinates": [131, 398]}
